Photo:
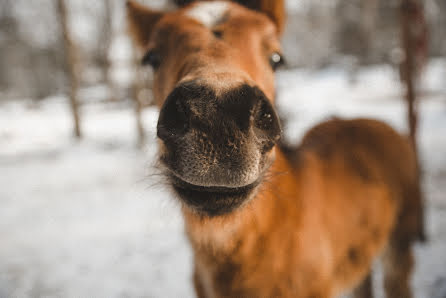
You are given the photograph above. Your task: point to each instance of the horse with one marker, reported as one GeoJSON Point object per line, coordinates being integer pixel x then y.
{"type": "Point", "coordinates": [263, 219]}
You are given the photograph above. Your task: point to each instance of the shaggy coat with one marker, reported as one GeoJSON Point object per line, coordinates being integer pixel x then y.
{"type": "Point", "coordinates": [264, 220]}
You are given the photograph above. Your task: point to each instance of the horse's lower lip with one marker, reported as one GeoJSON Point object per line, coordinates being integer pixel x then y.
{"type": "Point", "coordinates": [212, 200]}
{"type": "Point", "coordinates": [177, 182]}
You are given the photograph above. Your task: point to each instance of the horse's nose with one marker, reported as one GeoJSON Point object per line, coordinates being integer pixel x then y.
{"type": "Point", "coordinates": [242, 109]}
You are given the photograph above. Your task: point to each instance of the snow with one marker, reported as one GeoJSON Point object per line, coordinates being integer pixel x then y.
{"type": "Point", "coordinates": [92, 218]}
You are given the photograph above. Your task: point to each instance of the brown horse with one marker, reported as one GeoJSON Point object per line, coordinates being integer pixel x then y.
{"type": "Point", "coordinates": [263, 221]}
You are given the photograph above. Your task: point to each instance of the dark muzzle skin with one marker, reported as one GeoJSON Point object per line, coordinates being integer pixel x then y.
{"type": "Point", "coordinates": [216, 147]}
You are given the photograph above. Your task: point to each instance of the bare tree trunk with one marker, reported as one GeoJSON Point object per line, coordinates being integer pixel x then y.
{"type": "Point", "coordinates": [104, 46]}
{"type": "Point", "coordinates": [369, 11]}
{"type": "Point", "coordinates": [137, 88]}
{"type": "Point", "coordinates": [142, 95]}
{"type": "Point", "coordinates": [8, 30]}
{"type": "Point", "coordinates": [139, 124]}
{"type": "Point", "coordinates": [70, 65]}
{"type": "Point", "coordinates": [414, 35]}
{"type": "Point", "coordinates": [408, 68]}
{"type": "Point", "coordinates": [414, 43]}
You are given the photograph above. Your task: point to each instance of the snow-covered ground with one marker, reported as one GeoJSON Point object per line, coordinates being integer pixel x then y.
{"type": "Point", "coordinates": [88, 219]}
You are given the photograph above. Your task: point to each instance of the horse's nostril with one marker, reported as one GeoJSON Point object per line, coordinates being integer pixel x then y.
{"type": "Point", "coordinates": [173, 120]}
{"type": "Point", "coordinates": [238, 106]}
{"type": "Point", "coordinates": [266, 118]}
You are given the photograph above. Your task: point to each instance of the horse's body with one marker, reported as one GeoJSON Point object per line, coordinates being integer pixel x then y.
{"type": "Point", "coordinates": [318, 221]}
{"type": "Point", "coordinates": [262, 221]}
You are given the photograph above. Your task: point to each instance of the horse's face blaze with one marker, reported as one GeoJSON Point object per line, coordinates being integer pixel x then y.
{"type": "Point", "coordinates": [214, 84]}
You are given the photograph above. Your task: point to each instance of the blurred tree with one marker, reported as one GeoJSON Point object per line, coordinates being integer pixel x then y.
{"type": "Point", "coordinates": [137, 89]}
{"type": "Point", "coordinates": [70, 65]}
{"type": "Point", "coordinates": [104, 42]}
{"type": "Point", "coordinates": [414, 42]}
{"type": "Point", "coordinates": [356, 28]}
{"type": "Point", "coordinates": [9, 29]}
{"type": "Point", "coordinates": [30, 64]}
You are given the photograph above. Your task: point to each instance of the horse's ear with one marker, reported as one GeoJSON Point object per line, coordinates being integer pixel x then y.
{"type": "Point", "coordinates": [275, 9]}
{"type": "Point", "coordinates": [141, 21]}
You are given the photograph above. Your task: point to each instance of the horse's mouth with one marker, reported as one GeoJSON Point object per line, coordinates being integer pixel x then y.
{"type": "Point", "coordinates": [212, 200]}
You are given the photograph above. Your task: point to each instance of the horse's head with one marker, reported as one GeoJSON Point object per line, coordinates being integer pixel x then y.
{"type": "Point", "coordinates": [214, 68]}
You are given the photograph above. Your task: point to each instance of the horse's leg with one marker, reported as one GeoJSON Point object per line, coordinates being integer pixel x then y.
{"type": "Point", "coordinates": [398, 260]}
{"type": "Point", "coordinates": [398, 264]}
{"type": "Point", "coordinates": [364, 289]}
{"type": "Point", "coordinates": [198, 285]}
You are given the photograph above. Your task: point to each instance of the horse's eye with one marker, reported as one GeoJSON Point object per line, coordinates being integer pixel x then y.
{"type": "Point", "coordinates": [218, 34]}
{"type": "Point", "coordinates": [276, 60]}
{"type": "Point", "coordinates": [151, 58]}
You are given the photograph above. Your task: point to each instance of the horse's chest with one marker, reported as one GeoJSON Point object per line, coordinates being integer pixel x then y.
{"type": "Point", "coordinates": [264, 270]}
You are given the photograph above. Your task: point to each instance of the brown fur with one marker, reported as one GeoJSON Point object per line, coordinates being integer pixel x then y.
{"type": "Point", "coordinates": [323, 212]}
{"type": "Point", "coordinates": [315, 226]}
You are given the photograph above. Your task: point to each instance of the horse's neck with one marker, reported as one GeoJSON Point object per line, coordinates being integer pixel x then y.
{"type": "Point", "coordinates": [275, 200]}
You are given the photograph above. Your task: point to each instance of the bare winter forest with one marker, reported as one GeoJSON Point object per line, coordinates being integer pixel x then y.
{"type": "Point", "coordinates": [81, 213]}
